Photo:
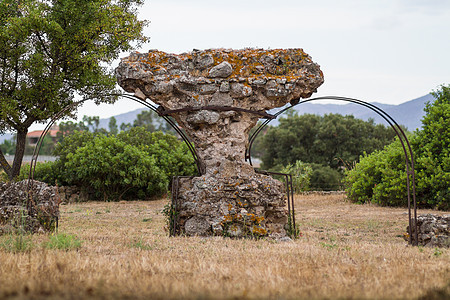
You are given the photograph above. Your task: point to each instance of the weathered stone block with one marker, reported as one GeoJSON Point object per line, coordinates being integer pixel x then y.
{"type": "Point", "coordinates": [13, 206]}
{"type": "Point", "coordinates": [433, 230]}
{"type": "Point", "coordinates": [228, 198]}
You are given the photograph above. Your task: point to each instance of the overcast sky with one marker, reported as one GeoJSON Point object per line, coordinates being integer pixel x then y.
{"type": "Point", "coordinates": [388, 51]}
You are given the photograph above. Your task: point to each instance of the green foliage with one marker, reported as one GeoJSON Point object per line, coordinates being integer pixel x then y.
{"type": "Point", "coordinates": [88, 123]}
{"type": "Point", "coordinates": [172, 155]}
{"type": "Point", "coordinates": [170, 215]}
{"type": "Point", "coordinates": [3, 176]}
{"type": "Point", "coordinates": [301, 175]}
{"type": "Point", "coordinates": [310, 176]}
{"type": "Point", "coordinates": [327, 140]}
{"type": "Point", "coordinates": [112, 125]}
{"type": "Point", "coordinates": [62, 241]}
{"type": "Point", "coordinates": [150, 121]}
{"type": "Point", "coordinates": [432, 150]}
{"type": "Point", "coordinates": [112, 167]}
{"type": "Point", "coordinates": [293, 231]}
{"type": "Point", "coordinates": [133, 164]}
{"type": "Point", "coordinates": [325, 178]}
{"type": "Point", "coordinates": [381, 176]}
{"type": "Point", "coordinates": [53, 50]}
{"type": "Point", "coordinates": [45, 172]}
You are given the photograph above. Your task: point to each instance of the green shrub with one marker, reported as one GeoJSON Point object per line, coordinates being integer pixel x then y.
{"type": "Point", "coordinates": [381, 177]}
{"type": "Point", "coordinates": [325, 178]}
{"type": "Point", "coordinates": [112, 168]}
{"type": "Point", "coordinates": [172, 155]}
{"type": "Point", "coordinates": [133, 164]}
{"type": "Point", "coordinates": [44, 171]}
{"type": "Point", "coordinates": [301, 175]}
{"type": "Point", "coordinates": [314, 177]}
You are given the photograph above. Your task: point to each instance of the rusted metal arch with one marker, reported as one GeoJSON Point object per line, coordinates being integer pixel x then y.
{"type": "Point", "coordinates": [409, 160]}
{"type": "Point", "coordinates": [69, 107]}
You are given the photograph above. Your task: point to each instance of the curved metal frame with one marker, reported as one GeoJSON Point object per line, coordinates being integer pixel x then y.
{"type": "Point", "coordinates": [394, 125]}
{"type": "Point", "coordinates": [30, 204]}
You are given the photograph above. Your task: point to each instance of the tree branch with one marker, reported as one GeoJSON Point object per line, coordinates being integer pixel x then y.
{"type": "Point", "coordinates": [42, 43]}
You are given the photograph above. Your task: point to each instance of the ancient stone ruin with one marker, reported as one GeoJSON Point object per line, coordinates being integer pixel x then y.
{"type": "Point", "coordinates": [14, 213]}
{"type": "Point", "coordinates": [433, 230]}
{"type": "Point", "coordinates": [217, 96]}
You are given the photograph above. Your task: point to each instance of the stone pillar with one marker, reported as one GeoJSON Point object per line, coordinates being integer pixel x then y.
{"type": "Point", "coordinates": [216, 95]}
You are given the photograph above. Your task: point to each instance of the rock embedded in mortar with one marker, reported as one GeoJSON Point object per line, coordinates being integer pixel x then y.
{"type": "Point", "coordinates": [251, 79]}
{"type": "Point", "coordinates": [433, 230]}
{"type": "Point", "coordinates": [13, 206]}
{"type": "Point", "coordinates": [222, 70]}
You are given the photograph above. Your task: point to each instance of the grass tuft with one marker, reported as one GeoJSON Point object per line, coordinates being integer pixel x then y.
{"type": "Point", "coordinates": [140, 244]}
{"type": "Point", "coordinates": [62, 241]}
{"type": "Point", "coordinates": [16, 243]}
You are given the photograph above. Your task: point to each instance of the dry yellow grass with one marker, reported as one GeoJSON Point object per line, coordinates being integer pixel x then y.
{"type": "Point", "coordinates": [346, 251]}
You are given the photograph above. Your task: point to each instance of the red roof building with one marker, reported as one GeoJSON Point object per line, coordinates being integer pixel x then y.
{"type": "Point", "coordinates": [33, 136]}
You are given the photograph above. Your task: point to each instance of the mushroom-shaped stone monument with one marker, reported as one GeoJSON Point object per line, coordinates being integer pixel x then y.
{"type": "Point", "coordinates": [217, 96]}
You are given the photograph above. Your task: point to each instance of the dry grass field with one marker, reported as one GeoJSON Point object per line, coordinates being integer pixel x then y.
{"type": "Point", "coordinates": [346, 251]}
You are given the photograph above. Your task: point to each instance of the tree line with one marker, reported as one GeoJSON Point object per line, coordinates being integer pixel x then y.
{"type": "Point", "coordinates": [327, 144]}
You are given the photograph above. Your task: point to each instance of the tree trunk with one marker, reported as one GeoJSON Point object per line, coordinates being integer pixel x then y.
{"type": "Point", "coordinates": [5, 165]}
{"type": "Point", "coordinates": [20, 151]}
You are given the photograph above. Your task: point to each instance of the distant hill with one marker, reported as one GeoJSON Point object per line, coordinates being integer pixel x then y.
{"type": "Point", "coordinates": [408, 113]}
{"type": "Point", "coordinates": [128, 117]}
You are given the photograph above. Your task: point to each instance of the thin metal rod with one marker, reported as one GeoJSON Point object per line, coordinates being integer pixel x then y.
{"type": "Point", "coordinates": [394, 125]}
{"type": "Point", "coordinates": [289, 194]}
{"type": "Point", "coordinates": [292, 197]}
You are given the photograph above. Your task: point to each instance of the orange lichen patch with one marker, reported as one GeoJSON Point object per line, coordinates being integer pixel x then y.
{"type": "Point", "coordinates": [247, 63]}
{"type": "Point", "coordinates": [258, 230]}
{"type": "Point", "coordinates": [227, 218]}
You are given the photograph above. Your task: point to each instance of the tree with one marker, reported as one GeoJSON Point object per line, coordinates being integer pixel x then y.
{"type": "Point", "coordinates": [53, 50]}
{"type": "Point", "coordinates": [112, 125]}
{"type": "Point", "coordinates": [8, 147]}
{"type": "Point", "coordinates": [144, 119]}
{"type": "Point", "coordinates": [88, 123]}
{"type": "Point", "coordinates": [330, 140]}
{"type": "Point", "coordinates": [150, 121]}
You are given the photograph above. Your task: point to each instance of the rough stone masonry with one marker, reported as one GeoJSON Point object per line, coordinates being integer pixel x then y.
{"type": "Point", "coordinates": [229, 198]}
{"type": "Point", "coordinates": [14, 215]}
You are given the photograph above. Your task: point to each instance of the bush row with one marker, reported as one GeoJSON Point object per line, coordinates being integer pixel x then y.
{"type": "Point", "coordinates": [133, 164]}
